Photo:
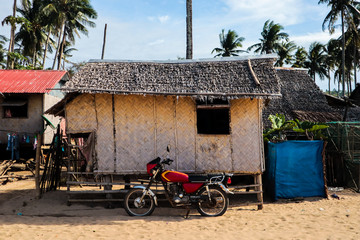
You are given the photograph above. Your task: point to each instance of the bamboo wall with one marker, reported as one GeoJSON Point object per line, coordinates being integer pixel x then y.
{"type": "Point", "coordinates": [131, 130]}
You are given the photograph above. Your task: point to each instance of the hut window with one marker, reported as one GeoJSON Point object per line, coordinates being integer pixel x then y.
{"type": "Point", "coordinates": [213, 118]}
{"type": "Point", "coordinates": [15, 109]}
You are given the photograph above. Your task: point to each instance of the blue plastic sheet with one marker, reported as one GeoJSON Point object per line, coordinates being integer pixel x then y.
{"type": "Point", "coordinates": [295, 169]}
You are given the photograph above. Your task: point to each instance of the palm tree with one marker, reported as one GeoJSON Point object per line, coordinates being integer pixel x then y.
{"type": "Point", "coordinates": [300, 58]}
{"type": "Point", "coordinates": [316, 61]}
{"type": "Point", "coordinates": [3, 41]}
{"type": "Point", "coordinates": [72, 18]}
{"type": "Point", "coordinates": [284, 52]}
{"type": "Point", "coordinates": [333, 57]}
{"type": "Point", "coordinates": [229, 43]}
{"type": "Point", "coordinates": [67, 53]}
{"type": "Point", "coordinates": [12, 21]}
{"type": "Point", "coordinates": [189, 42]}
{"type": "Point", "coordinates": [31, 34]}
{"type": "Point", "coordinates": [346, 9]}
{"type": "Point", "coordinates": [271, 37]}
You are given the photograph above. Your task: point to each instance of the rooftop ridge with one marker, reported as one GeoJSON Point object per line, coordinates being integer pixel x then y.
{"type": "Point", "coordinates": [180, 61]}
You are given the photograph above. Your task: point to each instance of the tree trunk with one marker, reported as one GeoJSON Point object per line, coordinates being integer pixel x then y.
{"type": "Point", "coordinates": [10, 62]}
{"type": "Point", "coordinates": [34, 56]}
{"type": "Point", "coordinates": [350, 87]}
{"type": "Point", "coordinates": [46, 47]}
{"type": "Point", "coordinates": [189, 42]}
{"type": "Point", "coordinates": [355, 60]}
{"type": "Point", "coordinates": [58, 45]}
{"type": "Point", "coordinates": [329, 80]}
{"type": "Point", "coordinates": [343, 51]}
{"type": "Point", "coordinates": [338, 92]}
{"type": "Point", "coordinates": [61, 51]}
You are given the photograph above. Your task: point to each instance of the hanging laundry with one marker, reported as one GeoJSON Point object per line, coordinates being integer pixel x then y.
{"type": "Point", "coordinates": [35, 142]}
{"type": "Point", "coordinates": [9, 142]}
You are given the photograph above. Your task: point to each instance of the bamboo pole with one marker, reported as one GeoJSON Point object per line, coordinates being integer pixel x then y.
{"type": "Point", "coordinates": [103, 48]}
{"type": "Point", "coordinates": [37, 165]}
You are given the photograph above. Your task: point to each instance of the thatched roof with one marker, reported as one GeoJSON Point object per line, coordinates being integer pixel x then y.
{"type": "Point", "coordinates": [301, 99]}
{"type": "Point", "coordinates": [355, 95]}
{"type": "Point", "coordinates": [227, 77]}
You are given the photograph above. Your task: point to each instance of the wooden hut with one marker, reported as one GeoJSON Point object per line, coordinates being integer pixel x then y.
{"type": "Point", "coordinates": [301, 99]}
{"type": "Point", "coordinates": [208, 111]}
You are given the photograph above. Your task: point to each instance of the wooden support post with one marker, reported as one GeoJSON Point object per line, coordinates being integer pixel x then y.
{"type": "Point", "coordinates": [37, 165]}
{"type": "Point", "coordinates": [258, 180]}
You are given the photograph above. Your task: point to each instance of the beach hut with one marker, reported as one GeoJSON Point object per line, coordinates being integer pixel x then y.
{"type": "Point", "coordinates": [301, 99]}
{"type": "Point", "coordinates": [209, 112]}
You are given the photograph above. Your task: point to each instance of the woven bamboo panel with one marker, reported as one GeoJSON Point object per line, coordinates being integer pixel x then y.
{"type": "Point", "coordinates": [135, 132]}
{"type": "Point", "coordinates": [105, 133]}
{"type": "Point", "coordinates": [80, 114]}
{"type": "Point", "coordinates": [213, 153]}
{"type": "Point", "coordinates": [246, 135]}
{"type": "Point", "coordinates": [165, 127]}
{"type": "Point", "coordinates": [186, 133]}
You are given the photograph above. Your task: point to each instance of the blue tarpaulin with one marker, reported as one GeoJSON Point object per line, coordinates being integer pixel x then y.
{"type": "Point", "coordinates": [295, 169]}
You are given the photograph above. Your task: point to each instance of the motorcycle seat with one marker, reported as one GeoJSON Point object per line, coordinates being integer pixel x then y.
{"type": "Point", "coordinates": [202, 177]}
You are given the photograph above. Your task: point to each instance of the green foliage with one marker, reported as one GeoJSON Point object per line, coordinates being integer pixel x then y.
{"type": "Point", "coordinates": [271, 38]}
{"type": "Point", "coordinates": [279, 127]}
{"type": "Point", "coordinates": [229, 43]}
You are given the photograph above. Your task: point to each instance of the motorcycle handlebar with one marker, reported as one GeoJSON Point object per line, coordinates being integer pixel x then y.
{"type": "Point", "coordinates": [167, 161]}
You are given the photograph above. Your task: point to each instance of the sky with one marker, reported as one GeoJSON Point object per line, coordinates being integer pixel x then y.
{"type": "Point", "coordinates": [156, 29]}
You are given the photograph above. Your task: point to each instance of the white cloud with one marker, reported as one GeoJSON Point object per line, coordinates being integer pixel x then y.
{"type": "Point", "coordinates": [307, 39]}
{"type": "Point", "coordinates": [157, 42]}
{"type": "Point", "coordinates": [287, 12]}
{"type": "Point", "coordinates": [163, 19]}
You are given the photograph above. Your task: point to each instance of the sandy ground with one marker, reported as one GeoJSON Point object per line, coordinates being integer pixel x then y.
{"type": "Point", "coordinates": [24, 217]}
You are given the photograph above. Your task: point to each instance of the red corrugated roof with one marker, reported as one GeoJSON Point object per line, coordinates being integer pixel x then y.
{"type": "Point", "coordinates": [29, 81]}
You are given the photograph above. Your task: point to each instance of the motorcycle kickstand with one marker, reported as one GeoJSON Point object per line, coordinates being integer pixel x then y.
{"type": "Point", "coordinates": [187, 213]}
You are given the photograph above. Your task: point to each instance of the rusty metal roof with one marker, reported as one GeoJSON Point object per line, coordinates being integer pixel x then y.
{"type": "Point", "coordinates": [29, 81]}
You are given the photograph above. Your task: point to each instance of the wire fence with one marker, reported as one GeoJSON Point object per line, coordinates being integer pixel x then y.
{"type": "Point", "coordinates": [343, 154]}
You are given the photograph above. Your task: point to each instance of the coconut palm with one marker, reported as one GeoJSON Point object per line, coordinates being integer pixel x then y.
{"type": "Point", "coordinates": [31, 34]}
{"type": "Point", "coordinates": [346, 9]}
{"type": "Point", "coordinates": [271, 38]}
{"type": "Point", "coordinates": [229, 43]}
{"type": "Point", "coordinates": [300, 58]}
{"type": "Point", "coordinates": [11, 19]}
{"type": "Point", "coordinates": [73, 16]}
{"type": "Point", "coordinates": [316, 61]}
{"type": "Point", "coordinates": [67, 53]}
{"type": "Point", "coordinates": [3, 41]}
{"type": "Point", "coordinates": [333, 57]}
{"type": "Point", "coordinates": [284, 52]}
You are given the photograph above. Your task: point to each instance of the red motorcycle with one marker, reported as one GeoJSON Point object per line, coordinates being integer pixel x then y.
{"type": "Point", "coordinates": [206, 192]}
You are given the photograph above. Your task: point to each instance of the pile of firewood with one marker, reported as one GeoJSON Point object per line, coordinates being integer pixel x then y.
{"type": "Point", "coordinates": [8, 169]}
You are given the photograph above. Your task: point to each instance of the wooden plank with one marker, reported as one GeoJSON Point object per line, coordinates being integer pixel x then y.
{"type": "Point", "coordinates": [250, 192]}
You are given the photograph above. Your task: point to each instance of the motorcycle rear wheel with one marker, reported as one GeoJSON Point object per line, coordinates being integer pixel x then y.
{"type": "Point", "coordinates": [135, 207]}
{"type": "Point", "coordinates": [218, 204]}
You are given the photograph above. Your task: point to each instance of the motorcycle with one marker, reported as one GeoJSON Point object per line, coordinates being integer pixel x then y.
{"type": "Point", "coordinates": [206, 192]}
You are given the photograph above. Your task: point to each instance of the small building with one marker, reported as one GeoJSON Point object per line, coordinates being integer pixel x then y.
{"type": "Point", "coordinates": [25, 96]}
{"type": "Point", "coordinates": [209, 112]}
{"type": "Point", "coordinates": [301, 99]}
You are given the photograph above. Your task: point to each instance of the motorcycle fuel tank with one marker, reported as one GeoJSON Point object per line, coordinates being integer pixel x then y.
{"type": "Point", "coordinates": [174, 176]}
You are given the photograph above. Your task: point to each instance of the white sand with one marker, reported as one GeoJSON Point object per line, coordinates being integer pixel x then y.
{"type": "Point", "coordinates": [51, 218]}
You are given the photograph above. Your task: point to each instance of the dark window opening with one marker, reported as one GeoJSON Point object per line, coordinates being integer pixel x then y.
{"type": "Point", "coordinates": [213, 120]}
{"type": "Point", "coordinates": [15, 109]}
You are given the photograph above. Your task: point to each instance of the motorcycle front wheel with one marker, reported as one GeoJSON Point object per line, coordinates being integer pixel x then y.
{"type": "Point", "coordinates": [216, 205]}
{"type": "Point", "coordinates": [136, 204]}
